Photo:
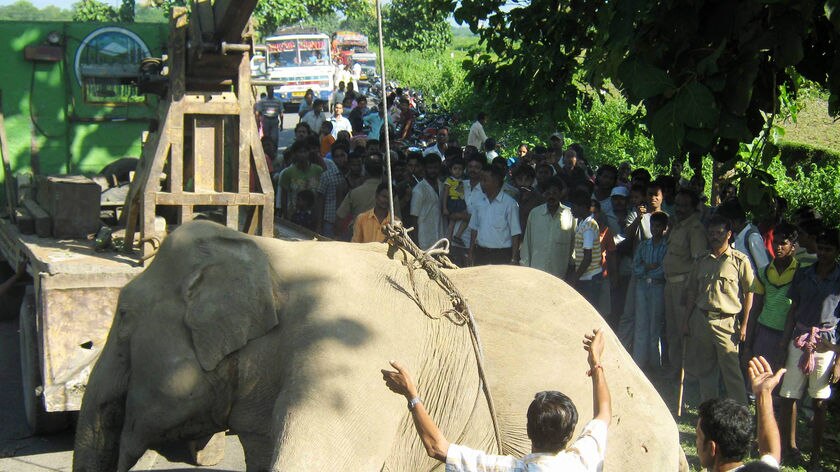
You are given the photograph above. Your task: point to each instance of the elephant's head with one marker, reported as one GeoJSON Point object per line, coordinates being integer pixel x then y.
{"type": "Point", "coordinates": [208, 292]}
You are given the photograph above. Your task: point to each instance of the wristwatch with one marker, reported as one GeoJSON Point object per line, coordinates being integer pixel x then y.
{"type": "Point", "coordinates": [413, 402]}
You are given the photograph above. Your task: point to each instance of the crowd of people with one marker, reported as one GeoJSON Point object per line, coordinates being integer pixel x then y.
{"type": "Point", "coordinates": [690, 285]}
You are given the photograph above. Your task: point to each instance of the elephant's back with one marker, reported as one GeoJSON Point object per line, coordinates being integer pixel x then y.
{"type": "Point", "coordinates": [531, 326]}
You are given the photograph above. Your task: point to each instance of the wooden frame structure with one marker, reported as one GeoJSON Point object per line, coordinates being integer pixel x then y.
{"type": "Point", "coordinates": [206, 151]}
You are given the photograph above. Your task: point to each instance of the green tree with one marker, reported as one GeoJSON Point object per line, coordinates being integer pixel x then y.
{"type": "Point", "coordinates": [709, 73]}
{"type": "Point", "coordinates": [21, 10]}
{"type": "Point", "coordinates": [412, 25]}
{"type": "Point", "coordinates": [126, 11]}
{"type": "Point", "coordinates": [270, 15]}
{"type": "Point", "coordinates": [94, 10]}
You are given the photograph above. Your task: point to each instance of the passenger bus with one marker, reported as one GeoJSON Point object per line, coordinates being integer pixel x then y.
{"type": "Point", "coordinates": [298, 62]}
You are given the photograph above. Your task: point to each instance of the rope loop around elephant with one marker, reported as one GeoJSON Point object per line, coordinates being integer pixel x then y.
{"type": "Point", "coordinates": [432, 261]}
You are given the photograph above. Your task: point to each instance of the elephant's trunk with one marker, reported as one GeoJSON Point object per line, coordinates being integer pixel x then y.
{"type": "Point", "coordinates": [97, 444]}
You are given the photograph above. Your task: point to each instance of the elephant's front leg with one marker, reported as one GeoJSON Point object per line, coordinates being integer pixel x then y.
{"type": "Point", "coordinates": [258, 450]}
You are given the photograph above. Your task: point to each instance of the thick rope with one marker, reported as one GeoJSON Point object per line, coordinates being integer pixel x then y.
{"type": "Point", "coordinates": [433, 258]}
{"type": "Point", "coordinates": [431, 261]}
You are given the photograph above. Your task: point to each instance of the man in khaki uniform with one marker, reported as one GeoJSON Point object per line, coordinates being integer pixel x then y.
{"type": "Point", "coordinates": [686, 244]}
{"type": "Point", "coordinates": [719, 292]}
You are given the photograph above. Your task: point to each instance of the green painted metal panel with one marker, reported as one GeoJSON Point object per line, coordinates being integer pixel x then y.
{"type": "Point", "coordinates": [55, 125]}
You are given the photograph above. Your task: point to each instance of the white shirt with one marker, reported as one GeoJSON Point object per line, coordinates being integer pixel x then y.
{"type": "Point", "coordinates": [340, 123]}
{"type": "Point", "coordinates": [425, 205]}
{"type": "Point", "coordinates": [315, 122]}
{"type": "Point", "coordinates": [549, 240]}
{"type": "Point", "coordinates": [754, 249]}
{"type": "Point", "coordinates": [476, 137]}
{"type": "Point", "coordinates": [586, 454]}
{"type": "Point", "coordinates": [766, 459]}
{"type": "Point", "coordinates": [491, 155]}
{"type": "Point", "coordinates": [433, 149]}
{"type": "Point", "coordinates": [472, 195]}
{"type": "Point", "coordinates": [497, 221]}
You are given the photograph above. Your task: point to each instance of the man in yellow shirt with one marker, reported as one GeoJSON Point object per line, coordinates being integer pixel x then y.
{"type": "Point", "coordinates": [368, 225]}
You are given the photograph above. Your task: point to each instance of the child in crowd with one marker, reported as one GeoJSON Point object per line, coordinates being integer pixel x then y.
{"type": "Point", "coordinates": [453, 189]}
{"type": "Point", "coordinates": [650, 293]}
{"type": "Point", "coordinates": [304, 203]}
{"type": "Point", "coordinates": [326, 137]}
{"type": "Point", "coordinates": [772, 301]}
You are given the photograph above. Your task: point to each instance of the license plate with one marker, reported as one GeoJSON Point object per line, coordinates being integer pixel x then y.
{"type": "Point", "coordinates": [298, 94]}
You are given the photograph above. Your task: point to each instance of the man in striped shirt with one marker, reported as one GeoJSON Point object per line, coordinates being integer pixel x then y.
{"type": "Point", "coordinates": [586, 276]}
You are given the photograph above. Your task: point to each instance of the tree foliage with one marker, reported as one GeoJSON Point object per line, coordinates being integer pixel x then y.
{"type": "Point", "coordinates": [412, 25]}
{"type": "Point", "coordinates": [94, 10]}
{"type": "Point", "coordinates": [23, 10]}
{"type": "Point", "coordinates": [709, 72]}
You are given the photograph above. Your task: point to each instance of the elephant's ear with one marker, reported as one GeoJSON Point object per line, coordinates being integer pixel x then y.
{"type": "Point", "coordinates": [230, 298]}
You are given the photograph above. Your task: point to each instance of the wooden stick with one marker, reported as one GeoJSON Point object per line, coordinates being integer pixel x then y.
{"type": "Point", "coordinates": [682, 381]}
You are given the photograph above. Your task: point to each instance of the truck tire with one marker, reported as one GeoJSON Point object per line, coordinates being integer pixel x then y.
{"type": "Point", "coordinates": [37, 417]}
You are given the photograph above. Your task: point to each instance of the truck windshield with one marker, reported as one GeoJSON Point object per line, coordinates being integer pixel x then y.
{"type": "Point", "coordinates": [297, 52]}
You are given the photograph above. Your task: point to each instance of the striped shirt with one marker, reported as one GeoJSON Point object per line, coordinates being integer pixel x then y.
{"type": "Point", "coordinates": [650, 253]}
{"type": "Point", "coordinates": [331, 185]}
{"type": "Point", "coordinates": [774, 287]}
{"type": "Point", "coordinates": [587, 236]}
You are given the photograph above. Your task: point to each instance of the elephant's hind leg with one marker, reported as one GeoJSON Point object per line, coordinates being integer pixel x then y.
{"type": "Point", "coordinates": [258, 451]}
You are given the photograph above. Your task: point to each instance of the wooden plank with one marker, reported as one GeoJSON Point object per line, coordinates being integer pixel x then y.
{"type": "Point", "coordinates": [231, 17]}
{"type": "Point", "coordinates": [43, 222]}
{"type": "Point", "coordinates": [246, 115]}
{"type": "Point", "coordinates": [8, 178]}
{"type": "Point", "coordinates": [24, 221]}
{"type": "Point", "coordinates": [219, 157]}
{"type": "Point", "coordinates": [211, 108]}
{"type": "Point", "coordinates": [210, 198]}
{"type": "Point", "coordinates": [204, 152]}
{"type": "Point", "coordinates": [185, 213]}
{"type": "Point", "coordinates": [216, 103]}
{"type": "Point", "coordinates": [203, 13]}
{"type": "Point", "coordinates": [232, 217]}
{"type": "Point", "coordinates": [268, 216]}
{"type": "Point", "coordinates": [176, 151]}
{"type": "Point", "coordinates": [177, 52]}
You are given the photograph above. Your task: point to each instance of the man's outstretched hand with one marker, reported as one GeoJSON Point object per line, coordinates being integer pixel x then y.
{"type": "Point", "coordinates": [762, 377]}
{"type": "Point", "coordinates": [399, 380]}
{"type": "Point", "coordinates": [594, 344]}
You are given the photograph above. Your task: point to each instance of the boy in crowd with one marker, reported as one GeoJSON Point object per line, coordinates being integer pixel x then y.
{"type": "Point", "coordinates": [453, 190]}
{"type": "Point", "coordinates": [326, 137]}
{"type": "Point", "coordinates": [650, 294]}
{"type": "Point", "coordinates": [772, 302]}
{"type": "Point", "coordinates": [812, 320]}
{"type": "Point", "coordinates": [551, 421]}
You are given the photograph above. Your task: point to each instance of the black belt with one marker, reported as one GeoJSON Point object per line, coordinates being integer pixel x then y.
{"type": "Point", "coordinates": [717, 315]}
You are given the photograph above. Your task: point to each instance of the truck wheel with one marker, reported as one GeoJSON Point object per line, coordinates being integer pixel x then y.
{"type": "Point", "coordinates": [37, 417]}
